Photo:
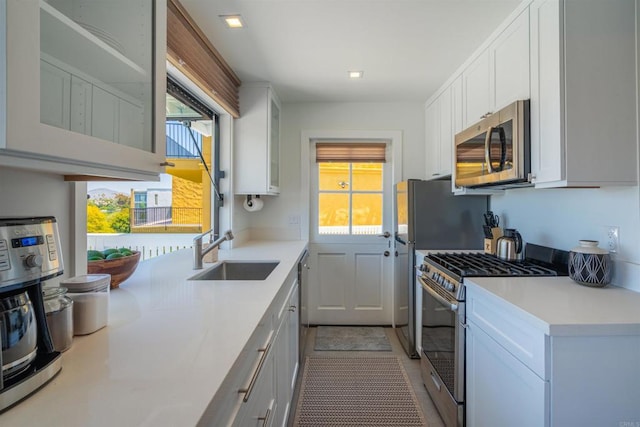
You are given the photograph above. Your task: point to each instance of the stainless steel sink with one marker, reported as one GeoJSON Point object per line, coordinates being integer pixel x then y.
{"type": "Point", "coordinates": [238, 270]}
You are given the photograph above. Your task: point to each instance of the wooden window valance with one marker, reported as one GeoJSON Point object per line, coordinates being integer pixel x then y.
{"type": "Point", "coordinates": [353, 152]}
{"type": "Point", "coordinates": [189, 50]}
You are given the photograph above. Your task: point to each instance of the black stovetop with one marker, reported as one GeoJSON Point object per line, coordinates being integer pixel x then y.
{"type": "Point", "coordinates": [538, 261]}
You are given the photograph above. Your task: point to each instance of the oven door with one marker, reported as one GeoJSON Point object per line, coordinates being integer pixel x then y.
{"type": "Point", "coordinates": [443, 338]}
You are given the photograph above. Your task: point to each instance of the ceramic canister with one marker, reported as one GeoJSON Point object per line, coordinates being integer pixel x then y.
{"type": "Point", "coordinates": [590, 265]}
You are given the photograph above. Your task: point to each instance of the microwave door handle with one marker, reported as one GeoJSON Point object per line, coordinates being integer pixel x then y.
{"type": "Point", "coordinates": [503, 148]}
{"type": "Point", "coordinates": [487, 150]}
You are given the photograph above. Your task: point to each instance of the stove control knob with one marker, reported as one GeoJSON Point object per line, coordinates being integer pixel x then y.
{"type": "Point", "coordinates": [450, 286]}
{"type": "Point", "coordinates": [33, 260]}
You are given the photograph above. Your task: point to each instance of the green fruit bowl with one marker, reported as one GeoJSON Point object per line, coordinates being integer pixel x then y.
{"type": "Point", "coordinates": [120, 268]}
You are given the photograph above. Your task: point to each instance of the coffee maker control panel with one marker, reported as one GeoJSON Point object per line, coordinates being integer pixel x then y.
{"type": "Point", "coordinates": [29, 250]}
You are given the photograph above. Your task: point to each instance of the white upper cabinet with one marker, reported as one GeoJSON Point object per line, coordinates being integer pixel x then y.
{"type": "Point", "coordinates": [85, 81]}
{"type": "Point", "coordinates": [500, 74]}
{"type": "Point", "coordinates": [257, 141]}
{"type": "Point", "coordinates": [476, 80]}
{"type": "Point", "coordinates": [439, 135]}
{"type": "Point", "coordinates": [509, 55]}
{"type": "Point", "coordinates": [583, 93]}
{"type": "Point", "coordinates": [432, 139]}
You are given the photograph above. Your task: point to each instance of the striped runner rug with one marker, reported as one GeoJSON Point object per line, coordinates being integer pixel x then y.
{"type": "Point", "coordinates": [356, 391]}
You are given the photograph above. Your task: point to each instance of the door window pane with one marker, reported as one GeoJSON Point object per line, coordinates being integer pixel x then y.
{"type": "Point", "coordinates": [367, 214]}
{"type": "Point", "coordinates": [367, 177]}
{"type": "Point", "coordinates": [334, 177]}
{"type": "Point", "coordinates": [333, 213]}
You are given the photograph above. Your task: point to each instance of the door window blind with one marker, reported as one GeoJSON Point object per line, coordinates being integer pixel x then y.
{"type": "Point", "coordinates": [351, 152]}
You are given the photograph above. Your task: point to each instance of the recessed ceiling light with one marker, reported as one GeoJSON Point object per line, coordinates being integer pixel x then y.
{"type": "Point", "coordinates": [233, 21]}
{"type": "Point", "coordinates": [356, 74]}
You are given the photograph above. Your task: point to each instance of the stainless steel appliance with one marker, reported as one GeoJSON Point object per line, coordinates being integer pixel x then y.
{"type": "Point", "coordinates": [30, 252]}
{"type": "Point", "coordinates": [428, 216]}
{"type": "Point", "coordinates": [496, 150]}
{"type": "Point", "coordinates": [444, 318]}
{"type": "Point", "coordinates": [509, 246]}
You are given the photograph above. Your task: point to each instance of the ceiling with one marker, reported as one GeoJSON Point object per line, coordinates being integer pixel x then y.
{"type": "Point", "coordinates": [406, 48]}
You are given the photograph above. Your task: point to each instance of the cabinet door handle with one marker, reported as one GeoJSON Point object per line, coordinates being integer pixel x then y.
{"type": "Point", "coordinates": [247, 391]}
{"type": "Point", "coordinates": [435, 381]}
{"type": "Point", "coordinates": [292, 308]}
{"type": "Point", "coordinates": [265, 419]}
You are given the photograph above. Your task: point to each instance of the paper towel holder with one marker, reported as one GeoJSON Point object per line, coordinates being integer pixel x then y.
{"type": "Point", "coordinates": [249, 201]}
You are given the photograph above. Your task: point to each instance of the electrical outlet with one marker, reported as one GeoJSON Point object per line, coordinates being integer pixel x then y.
{"type": "Point", "coordinates": [613, 238]}
{"type": "Point", "coordinates": [294, 219]}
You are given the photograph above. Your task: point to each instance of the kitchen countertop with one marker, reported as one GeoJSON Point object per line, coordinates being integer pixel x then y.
{"type": "Point", "coordinates": [168, 345]}
{"type": "Point", "coordinates": [560, 307]}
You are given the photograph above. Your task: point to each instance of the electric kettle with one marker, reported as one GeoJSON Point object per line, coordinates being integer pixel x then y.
{"type": "Point", "coordinates": [509, 246]}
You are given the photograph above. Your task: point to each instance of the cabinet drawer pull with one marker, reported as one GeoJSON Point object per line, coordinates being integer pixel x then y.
{"type": "Point", "coordinates": [247, 391]}
{"type": "Point", "coordinates": [435, 381]}
{"type": "Point", "coordinates": [292, 308]}
{"type": "Point", "coordinates": [265, 419]}
{"type": "Point", "coordinates": [168, 164]}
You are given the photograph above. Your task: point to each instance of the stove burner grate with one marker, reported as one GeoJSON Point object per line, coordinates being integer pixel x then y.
{"type": "Point", "coordinates": [480, 264]}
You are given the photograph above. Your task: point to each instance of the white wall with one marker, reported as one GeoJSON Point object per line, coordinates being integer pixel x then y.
{"type": "Point", "coordinates": [273, 222]}
{"type": "Point", "coordinates": [25, 193]}
{"type": "Point", "coordinates": [560, 217]}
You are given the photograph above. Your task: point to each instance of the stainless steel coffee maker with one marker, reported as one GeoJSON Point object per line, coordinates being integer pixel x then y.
{"type": "Point", "coordinates": [30, 253]}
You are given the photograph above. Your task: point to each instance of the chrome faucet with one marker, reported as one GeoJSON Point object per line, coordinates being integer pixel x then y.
{"type": "Point", "coordinates": [198, 253]}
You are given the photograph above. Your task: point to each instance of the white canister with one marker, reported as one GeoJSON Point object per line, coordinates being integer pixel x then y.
{"type": "Point", "coordinates": [90, 295]}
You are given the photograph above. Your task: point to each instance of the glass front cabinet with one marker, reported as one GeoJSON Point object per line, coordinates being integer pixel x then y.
{"type": "Point", "coordinates": [82, 86]}
{"type": "Point", "coordinates": [257, 141]}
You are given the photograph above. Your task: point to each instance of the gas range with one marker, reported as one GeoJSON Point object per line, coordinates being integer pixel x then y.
{"type": "Point", "coordinates": [447, 270]}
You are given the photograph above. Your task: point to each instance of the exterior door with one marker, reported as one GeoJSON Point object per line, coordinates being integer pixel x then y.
{"type": "Point", "coordinates": [351, 247]}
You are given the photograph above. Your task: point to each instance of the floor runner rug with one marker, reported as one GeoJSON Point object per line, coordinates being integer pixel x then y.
{"type": "Point", "coordinates": [351, 338]}
{"type": "Point", "coordinates": [356, 391]}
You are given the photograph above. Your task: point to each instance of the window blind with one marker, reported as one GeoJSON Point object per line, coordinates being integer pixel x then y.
{"type": "Point", "coordinates": [353, 152]}
{"type": "Point", "coordinates": [189, 50]}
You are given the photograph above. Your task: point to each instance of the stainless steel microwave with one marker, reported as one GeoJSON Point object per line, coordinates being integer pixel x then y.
{"type": "Point", "coordinates": [496, 150]}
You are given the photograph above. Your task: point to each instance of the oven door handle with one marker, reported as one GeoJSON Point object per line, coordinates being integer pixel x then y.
{"type": "Point", "coordinates": [442, 300]}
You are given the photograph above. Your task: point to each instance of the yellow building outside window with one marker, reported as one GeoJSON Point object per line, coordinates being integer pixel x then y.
{"type": "Point", "coordinates": [349, 198]}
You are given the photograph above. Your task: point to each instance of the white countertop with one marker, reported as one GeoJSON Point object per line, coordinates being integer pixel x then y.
{"type": "Point", "coordinates": [168, 345]}
{"type": "Point", "coordinates": [560, 306]}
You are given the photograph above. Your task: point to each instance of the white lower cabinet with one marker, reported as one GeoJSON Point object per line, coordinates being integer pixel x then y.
{"type": "Point", "coordinates": [261, 406]}
{"type": "Point", "coordinates": [258, 389]}
{"type": "Point", "coordinates": [519, 375]}
{"type": "Point", "coordinates": [501, 390]}
{"type": "Point", "coordinates": [286, 351]}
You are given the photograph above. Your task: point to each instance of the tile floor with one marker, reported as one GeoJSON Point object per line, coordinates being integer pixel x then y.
{"type": "Point", "coordinates": [412, 366]}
